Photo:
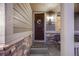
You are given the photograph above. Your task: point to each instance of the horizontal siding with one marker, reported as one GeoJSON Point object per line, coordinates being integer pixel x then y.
{"type": "Point", "coordinates": [22, 17]}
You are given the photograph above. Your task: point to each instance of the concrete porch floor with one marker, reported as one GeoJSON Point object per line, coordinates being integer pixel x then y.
{"type": "Point", "coordinates": [41, 49]}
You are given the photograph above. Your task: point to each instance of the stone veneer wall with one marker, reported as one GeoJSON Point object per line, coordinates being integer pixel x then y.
{"type": "Point", "coordinates": [21, 48]}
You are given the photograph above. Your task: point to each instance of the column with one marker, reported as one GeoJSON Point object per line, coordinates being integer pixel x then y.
{"type": "Point", "coordinates": [67, 31]}
{"type": "Point", "coordinates": [8, 20]}
{"type": "Point", "coordinates": [2, 24]}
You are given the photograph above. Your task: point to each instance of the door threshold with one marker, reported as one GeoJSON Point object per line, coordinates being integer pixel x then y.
{"type": "Point", "coordinates": [39, 41]}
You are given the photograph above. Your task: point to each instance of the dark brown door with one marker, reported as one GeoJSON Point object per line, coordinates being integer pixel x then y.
{"type": "Point", "coordinates": [39, 26]}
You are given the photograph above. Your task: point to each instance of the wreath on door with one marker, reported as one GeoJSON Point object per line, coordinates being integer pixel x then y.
{"type": "Point", "coordinates": [39, 21]}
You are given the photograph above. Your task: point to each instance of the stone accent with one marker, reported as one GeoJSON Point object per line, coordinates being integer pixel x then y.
{"type": "Point", "coordinates": [20, 48]}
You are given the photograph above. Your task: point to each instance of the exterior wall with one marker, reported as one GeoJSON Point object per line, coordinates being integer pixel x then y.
{"type": "Point", "coordinates": [18, 19]}
{"type": "Point", "coordinates": [22, 17]}
{"type": "Point", "coordinates": [16, 29]}
{"type": "Point", "coordinates": [58, 23]}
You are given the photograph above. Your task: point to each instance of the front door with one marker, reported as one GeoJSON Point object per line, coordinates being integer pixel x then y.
{"type": "Point", "coordinates": [39, 26]}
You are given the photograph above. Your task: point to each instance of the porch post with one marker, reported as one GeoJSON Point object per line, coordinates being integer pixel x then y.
{"type": "Point", "coordinates": [67, 31]}
{"type": "Point", "coordinates": [8, 20]}
{"type": "Point", "coordinates": [2, 24]}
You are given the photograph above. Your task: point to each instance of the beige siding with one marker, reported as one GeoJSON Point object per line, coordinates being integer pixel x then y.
{"type": "Point", "coordinates": [18, 19]}
{"type": "Point", "coordinates": [22, 17]}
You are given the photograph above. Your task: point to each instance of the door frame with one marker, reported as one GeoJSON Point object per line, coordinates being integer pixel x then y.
{"type": "Point", "coordinates": [37, 12]}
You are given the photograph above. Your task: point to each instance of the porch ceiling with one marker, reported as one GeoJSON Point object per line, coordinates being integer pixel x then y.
{"type": "Point", "coordinates": [45, 7]}
{"type": "Point", "coordinates": [50, 7]}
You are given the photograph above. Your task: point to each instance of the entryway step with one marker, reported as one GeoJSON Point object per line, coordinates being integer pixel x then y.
{"type": "Point", "coordinates": [39, 51]}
